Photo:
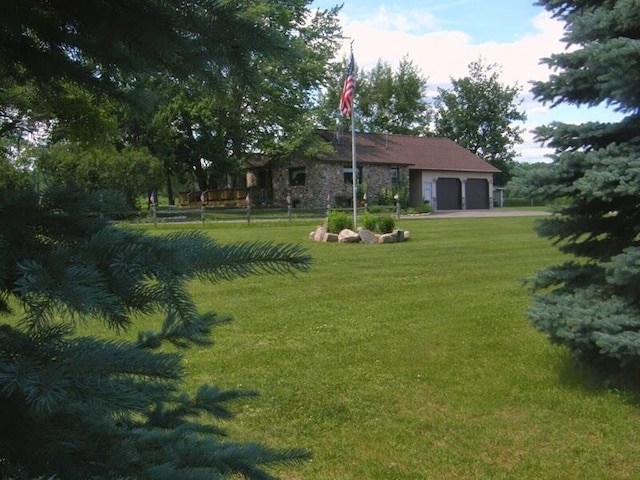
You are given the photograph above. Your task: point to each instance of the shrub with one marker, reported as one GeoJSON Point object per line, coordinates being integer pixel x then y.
{"type": "Point", "coordinates": [378, 224]}
{"type": "Point", "coordinates": [387, 195]}
{"type": "Point", "coordinates": [385, 224]}
{"type": "Point", "coordinates": [369, 221]}
{"type": "Point", "coordinates": [338, 221]}
{"type": "Point", "coordinates": [424, 208]}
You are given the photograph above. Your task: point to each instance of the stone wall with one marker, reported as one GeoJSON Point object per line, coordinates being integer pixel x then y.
{"type": "Point", "coordinates": [378, 177]}
{"type": "Point", "coordinates": [327, 179]}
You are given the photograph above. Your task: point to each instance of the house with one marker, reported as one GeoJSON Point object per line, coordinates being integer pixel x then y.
{"type": "Point", "coordinates": [435, 171]}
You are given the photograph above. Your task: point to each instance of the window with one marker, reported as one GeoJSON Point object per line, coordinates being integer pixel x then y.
{"type": "Point", "coordinates": [297, 176]}
{"type": "Point", "coordinates": [348, 175]}
{"type": "Point", "coordinates": [395, 176]}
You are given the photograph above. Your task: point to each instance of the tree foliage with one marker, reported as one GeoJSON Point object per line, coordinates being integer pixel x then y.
{"type": "Point", "coordinates": [591, 304]}
{"type": "Point", "coordinates": [481, 114]}
{"type": "Point", "coordinates": [75, 406]}
{"type": "Point", "coordinates": [101, 167]}
{"type": "Point", "coordinates": [221, 81]}
{"type": "Point", "coordinates": [388, 101]}
{"type": "Point", "coordinates": [209, 128]}
{"type": "Point", "coordinates": [524, 175]}
{"type": "Point", "coordinates": [84, 407]}
{"type": "Point", "coordinates": [103, 47]}
{"type": "Point", "coordinates": [393, 102]}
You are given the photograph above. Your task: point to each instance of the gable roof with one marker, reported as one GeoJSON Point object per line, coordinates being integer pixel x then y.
{"type": "Point", "coordinates": [416, 153]}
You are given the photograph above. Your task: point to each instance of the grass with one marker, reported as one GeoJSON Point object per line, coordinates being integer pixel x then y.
{"type": "Point", "coordinates": [412, 361]}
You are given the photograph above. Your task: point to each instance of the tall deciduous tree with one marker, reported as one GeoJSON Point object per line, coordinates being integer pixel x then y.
{"type": "Point", "coordinates": [75, 406]}
{"type": "Point", "coordinates": [591, 303]}
{"type": "Point", "coordinates": [387, 101]}
{"type": "Point", "coordinates": [101, 167]}
{"type": "Point", "coordinates": [211, 126]}
{"type": "Point", "coordinates": [481, 114]}
{"type": "Point", "coordinates": [393, 102]}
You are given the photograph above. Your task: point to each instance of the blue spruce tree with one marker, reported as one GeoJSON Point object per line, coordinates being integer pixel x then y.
{"type": "Point", "coordinates": [81, 407]}
{"type": "Point", "coordinates": [591, 303]}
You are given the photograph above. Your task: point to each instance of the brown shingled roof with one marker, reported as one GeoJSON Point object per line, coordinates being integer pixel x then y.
{"type": "Point", "coordinates": [418, 153]}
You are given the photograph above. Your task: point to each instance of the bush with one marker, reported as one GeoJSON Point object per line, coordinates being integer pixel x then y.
{"type": "Point", "coordinates": [424, 208]}
{"type": "Point", "coordinates": [338, 221]}
{"type": "Point", "coordinates": [386, 224]}
{"type": "Point", "coordinates": [378, 224]}
{"type": "Point", "coordinates": [387, 195]}
{"type": "Point", "coordinates": [369, 221]}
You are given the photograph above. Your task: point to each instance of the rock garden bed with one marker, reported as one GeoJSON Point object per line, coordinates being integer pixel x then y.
{"type": "Point", "coordinates": [321, 234]}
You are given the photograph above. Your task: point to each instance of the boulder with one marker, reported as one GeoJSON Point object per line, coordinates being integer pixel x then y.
{"type": "Point", "coordinates": [320, 233]}
{"type": "Point", "coordinates": [367, 236]}
{"type": "Point", "coordinates": [348, 236]}
{"type": "Point", "coordinates": [387, 238]}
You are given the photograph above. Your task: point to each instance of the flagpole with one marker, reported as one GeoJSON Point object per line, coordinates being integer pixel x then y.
{"type": "Point", "coordinates": [347, 98]}
{"type": "Point", "coordinates": [354, 172]}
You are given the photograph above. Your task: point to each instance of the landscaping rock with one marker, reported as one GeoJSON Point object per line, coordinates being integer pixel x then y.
{"type": "Point", "coordinates": [387, 238]}
{"type": "Point", "coordinates": [367, 236]}
{"type": "Point", "coordinates": [320, 234]}
{"type": "Point", "coordinates": [348, 236]}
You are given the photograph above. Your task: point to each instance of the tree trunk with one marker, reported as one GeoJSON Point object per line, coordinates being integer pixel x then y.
{"type": "Point", "coordinates": [170, 190]}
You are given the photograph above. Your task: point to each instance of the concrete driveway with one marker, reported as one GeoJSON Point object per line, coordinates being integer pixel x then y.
{"type": "Point", "coordinates": [493, 212]}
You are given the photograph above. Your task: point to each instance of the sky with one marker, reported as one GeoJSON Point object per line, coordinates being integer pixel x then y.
{"type": "Point", "coordinates": [441, 38]}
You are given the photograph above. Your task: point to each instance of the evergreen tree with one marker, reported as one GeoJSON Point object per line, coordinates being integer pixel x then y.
{"type": "Point", "coordinates": [78, 407]}
{"type": "Point", "coordinates": [105, 46]}
{"type": "Point", "coordinates": [74, 406]}
{"type": "Point", "coordinates": [480, 114]}
{"type": "Point", "coordinates": [591, 303]}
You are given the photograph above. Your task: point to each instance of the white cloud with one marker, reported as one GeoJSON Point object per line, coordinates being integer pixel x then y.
{"type": "Point", "coordinates": [445, 54]}
{"type": "Point", "coordinates": [402, 21]}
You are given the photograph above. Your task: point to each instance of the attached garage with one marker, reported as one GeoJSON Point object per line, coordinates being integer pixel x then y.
{"type": "Point", "coordinates": [477, 193]}
{"type": "Point", "coordinates": [437, 171]}
{"type": "Point", "coordinates": [449, 194]}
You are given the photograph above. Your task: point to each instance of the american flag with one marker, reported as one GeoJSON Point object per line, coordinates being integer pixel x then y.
{"type": "Point", "coordinates": [346, 97]}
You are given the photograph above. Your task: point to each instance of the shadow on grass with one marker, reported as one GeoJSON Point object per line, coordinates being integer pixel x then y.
{"type": "Point", "coordinates": [599, 378]}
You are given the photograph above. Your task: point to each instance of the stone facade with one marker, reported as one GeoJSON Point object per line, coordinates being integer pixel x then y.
{"type": "Point", "coordinates": [325, 180]}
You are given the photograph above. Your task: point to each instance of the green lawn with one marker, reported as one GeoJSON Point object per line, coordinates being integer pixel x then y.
{"type": "Point", "coordinates": [412, 361]}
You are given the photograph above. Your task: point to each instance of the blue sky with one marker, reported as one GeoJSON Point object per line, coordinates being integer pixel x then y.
{"type": "Point", "coordinates": [442, 37]}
